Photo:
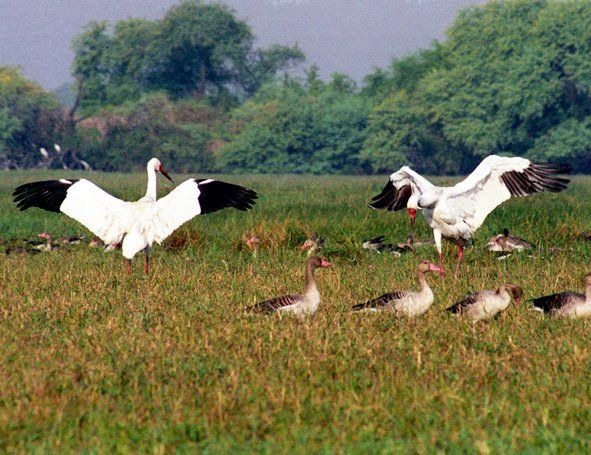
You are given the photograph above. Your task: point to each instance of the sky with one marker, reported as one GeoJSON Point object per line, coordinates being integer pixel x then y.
{"type": "Point", "coordinates": [347, 36]}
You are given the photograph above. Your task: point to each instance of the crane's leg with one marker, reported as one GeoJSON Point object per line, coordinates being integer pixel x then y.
{"type": "Point", "coordinates": [411, 237]}
{"type": "Point", "coordinates": [129, 266]}
{"type": "Point", "coordinates": [147, 261]}
{"type": "Point", "coordinates": [460, 255]}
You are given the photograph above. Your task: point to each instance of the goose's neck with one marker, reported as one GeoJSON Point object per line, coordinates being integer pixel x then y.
{"type": "Point", "coordinates": [310, 281]}
{"type": "Point", "coordinates": [422, 280]}
{"type": "Point", "coordinates": [588, 293]}
{"type": "Point", "coordinates": [151, 189]}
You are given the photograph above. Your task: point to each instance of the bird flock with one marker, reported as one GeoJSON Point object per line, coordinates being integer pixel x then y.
{"type": "Point", "coordinates": [453, 213]}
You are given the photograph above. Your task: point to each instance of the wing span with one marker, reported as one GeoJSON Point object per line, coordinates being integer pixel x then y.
{"type": "Point", "coordinates": [104, 215]}
{"type": "Point", "coordinates": [197, 197]}
{"type": "Point", "coordinates": [497, 179]}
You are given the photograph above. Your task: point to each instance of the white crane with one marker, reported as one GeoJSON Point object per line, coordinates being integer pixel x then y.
{"type": "Point", "coordinates": [455, 213]}
{"type": "Point", "coordinates": [136, 224]}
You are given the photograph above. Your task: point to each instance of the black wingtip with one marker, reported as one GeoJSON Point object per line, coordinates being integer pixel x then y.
{"type": "Point", "coordinates": [46, 194]}
{"type": "Point", "coordinates": [216, 195]}
{"type": "Point", "coordinates": [390, 198]}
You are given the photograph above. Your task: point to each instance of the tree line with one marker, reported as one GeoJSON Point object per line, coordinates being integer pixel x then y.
{"type": "Point", "coordinates": [510, 77]}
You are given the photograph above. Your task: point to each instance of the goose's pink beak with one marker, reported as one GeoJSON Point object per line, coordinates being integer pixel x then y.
{"type": "Point", "coordinates": [325, 263]}
{"type": "Point", "coordinates": [435, 268]}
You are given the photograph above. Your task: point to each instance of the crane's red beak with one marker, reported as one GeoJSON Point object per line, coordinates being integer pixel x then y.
{"type": "Point", "coordinates": [412, 213]}
{"type": "Point", "coordinates": [518, 301]}
{"type": "Point", "coordinates": [164, 172]}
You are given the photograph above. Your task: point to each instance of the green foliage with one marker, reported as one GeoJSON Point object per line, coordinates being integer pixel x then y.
{"type": "Point", "coordinates": [177, 133]}
{"type": "Point", "coordinates": [292, 127]}
{"type": "Point", "coordinates": [29, 118]}
{"type": "Point", "coordinates": [195, 50]}
{"type": "Point", "coordinates": [507, 76]}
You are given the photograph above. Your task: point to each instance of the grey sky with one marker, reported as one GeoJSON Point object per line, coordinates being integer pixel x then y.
{"type": "Point", "coordinates": [349, 36]}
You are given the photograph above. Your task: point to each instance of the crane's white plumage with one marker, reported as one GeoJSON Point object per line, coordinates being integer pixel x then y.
{"type": "Point", "coordinates": [456, 212]}
{"type": "Point", "coordinates": [138, 224]}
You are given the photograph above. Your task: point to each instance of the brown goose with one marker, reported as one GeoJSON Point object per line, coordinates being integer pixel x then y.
{"type": "Point", "coordinates": [567, 304]}
{"type": "Point", "coordinates": [484, 305]}
{"type": "Point", "coordinates": [252, 243]}
{"type": "Point", "coordinates": [48, 246]}
{"type": "Point", "coordinates": [505, 243]}
{"type": "Point", "coordinates": [377, 244]}
{"type": "Point", "coordinates": [312, 245]}
{"type": "Point", "coordinates": [405, 303]}
{"type": "Point", "coordinates": [300, 305]}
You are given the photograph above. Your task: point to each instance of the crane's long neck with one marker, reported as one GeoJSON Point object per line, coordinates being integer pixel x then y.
{"type": "Point", "coordinates": [151, 189]}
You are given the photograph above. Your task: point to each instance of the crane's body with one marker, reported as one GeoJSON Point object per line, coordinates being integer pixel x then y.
{"type": "Point", "coordinates": [136, 224]}
{"type": "Point", "coordinates": [455, 213]}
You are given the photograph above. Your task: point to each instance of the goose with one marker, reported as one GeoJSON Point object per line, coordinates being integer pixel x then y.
{"type": "Point", "coordinates": [253, 243]}
{"type": "Point", "coordinates": [300, 305]}
{"type": "Point", "coordinates": [567, 304]}
{"type": "Point", "coordinates": [48, 245]}
{"type": "Point", "coordinates": [484, 305]}
{"type": "Point", "coordinates": [455, 213]}
{"type": "Point", "coordinates": [71, 240]}
{"type": "Point", "coordinates": [405, 303]}
{"type": "Point", "coordinates": [312, 245]}
{"type": "Point", "coordinates": [20, 250]}
{"type": "Point", "coordinates": [506, 242]}
{"type": "Point", "coordinates": [136, 224]}
{"type": "Point", "coordinates": [378, 244]}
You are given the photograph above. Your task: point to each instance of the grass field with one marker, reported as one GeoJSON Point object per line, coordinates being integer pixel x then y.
{"type": "Point", "coordinates": [95, 360]}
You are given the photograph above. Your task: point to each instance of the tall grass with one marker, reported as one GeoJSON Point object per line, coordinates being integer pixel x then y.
{"type": "Point", "coordinates": [93, 359]}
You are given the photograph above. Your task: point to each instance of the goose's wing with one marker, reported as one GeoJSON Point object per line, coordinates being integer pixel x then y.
{"type": "Point", "coordinates": [104, 215]}
{"type": "Point", "coordinates": [402, 184]}
{"type": "Point", "coordinates": [551, 302]}
{"type": "Point", "coordinates": [274, 304]}
{"type": "Point", "coordinates": [463, 305]}
{"type": "Point", "coordinates": [197, 197]}
{"type": "Point", "coordinates": [381, 302]}
{"type": "Point", "coordinates": [498, 178]}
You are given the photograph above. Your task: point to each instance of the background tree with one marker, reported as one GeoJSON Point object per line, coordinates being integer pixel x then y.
{"type": "Point", "coordinates": [195, 50]}
{"type": "Point", "coordinates": [30, 118]}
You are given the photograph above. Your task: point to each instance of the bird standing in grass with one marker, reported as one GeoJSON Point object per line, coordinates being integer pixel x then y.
{"type": "Point", "coordinates": [506, 243]}
{"type": "Point", "coordinates": [455, 213]}
{"type": "Point", "coordinates": [567, 304]}
{"type": "Point", "coordinates": [300, 305]}
{"type": "Point", "coordinates": [484, 305]}
{"type": "Point", "coordinates": [136, 224]}
{"type": "Point", "coordinates": [405, 303]}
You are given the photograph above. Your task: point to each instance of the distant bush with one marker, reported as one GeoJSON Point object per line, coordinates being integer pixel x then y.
{"type": "Point", "coordinates": [125, 138]}
{"type": "Point", "coordinates": [294, 127]}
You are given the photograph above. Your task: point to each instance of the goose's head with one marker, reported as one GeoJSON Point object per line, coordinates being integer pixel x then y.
{"type": "Point", "coordinates": [155, 164]}
{"type": "Point", "coordinates": [317, 262]}
{"type": "Point", "coordinates": [515, 291]}
{"type": "Point", "coordinates": [587, 279]}
{"type": "Point", "coordinates": [426, 266]}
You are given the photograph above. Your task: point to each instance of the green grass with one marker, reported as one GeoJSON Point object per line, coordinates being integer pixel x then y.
{"type": "Point", "coordinates": [94, 360]}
